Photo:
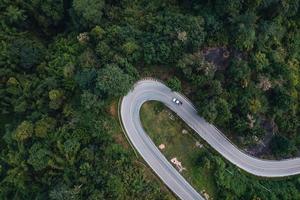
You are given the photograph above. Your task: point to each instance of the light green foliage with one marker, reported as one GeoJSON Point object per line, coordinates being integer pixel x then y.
{"type": "Point", "coordinates": [12, 81]}
{"type": "Point", "coordinates": [56, 98]}
{"type": "Point", "coordinates": [97, 33]}
{"type": "Point", "coordinates": [14, 14]}
{"type": "Point", "coordinates": [175, 84]}
{"type": "Point", "coordinates": [44, 126]}
{"type": "Point", "coordinates": [245, 37]}
{"type": "Point", "coordinates": [27, 52]}
{"type": "Point", "coordinates": [130, 47]}
{"type": "Point", "coordinates": [64, 192]}
{"type": "Point", "coordinates": [85, 169]}
{"type": "Point", "coordinates": [63, 53]}
{"type": "Point", "coordinates": [192, 64]}
{"type": "Point", "coordinates": [69, 70]}
{"type": "Point", "coordinates": [245, 31]}
{"type": "Point", "coordinates": [260, 61]}
{"type": "Point", "coordinates": [24, 131]}
{"type": "Point", "coordinates": [255, 106]}
{"type": "Point", "coordinates": [55, 95]}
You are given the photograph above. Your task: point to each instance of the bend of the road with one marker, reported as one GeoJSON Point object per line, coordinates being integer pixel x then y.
{"type": "Point", "coordinates": [147, 90]}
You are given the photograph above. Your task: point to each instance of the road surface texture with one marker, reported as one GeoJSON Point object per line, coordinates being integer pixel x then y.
{"type": "Point", "coordinates": [150, 89]}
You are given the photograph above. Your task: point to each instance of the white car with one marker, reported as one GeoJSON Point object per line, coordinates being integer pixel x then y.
{"type": "Point", "coordinates": [176, 101]}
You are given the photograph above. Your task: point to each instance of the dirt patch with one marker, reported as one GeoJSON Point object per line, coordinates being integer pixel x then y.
{"type": "Point", "coordinates": [217, 56]}
{"type": "Point", "coordinates": [158, 71]}
{"type": "Point", "coordinates": [262, 149]}
{"type": "Point", "coordinates": [120, 139]}
{"type": "Point", "coordinates": [113, 109]}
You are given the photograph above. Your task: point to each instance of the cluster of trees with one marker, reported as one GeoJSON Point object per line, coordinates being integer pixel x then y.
{"type": "Point", "coordinates": [235, 184]}
{"type": "Point", "coordinates": [59, 75]}
{"type": "Point", "coordinates": [62, 63]}
{"type": "Point", "coordinates": [261, 81]}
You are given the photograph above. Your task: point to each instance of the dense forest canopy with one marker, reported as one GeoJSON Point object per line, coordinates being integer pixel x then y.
{"type": "Point", "coordinates": [63, 63]}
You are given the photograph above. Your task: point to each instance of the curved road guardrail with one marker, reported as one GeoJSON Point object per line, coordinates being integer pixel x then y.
{"type": "Point", "coordinates": [150, 89]}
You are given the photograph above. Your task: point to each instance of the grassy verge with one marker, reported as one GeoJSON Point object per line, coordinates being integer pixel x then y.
{"type": "Point", "coordinates": [120, 138]}
{"type": "Point", "coordinates": [166, 128]}
{"type": "Point", "coordinates": [205, 169]}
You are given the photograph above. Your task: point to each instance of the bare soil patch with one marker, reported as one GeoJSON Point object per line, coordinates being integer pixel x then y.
{"type": "Point", "coordinates": [217, 56]}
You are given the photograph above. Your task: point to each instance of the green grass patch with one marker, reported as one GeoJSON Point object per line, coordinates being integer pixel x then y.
{"type": "Point", "coordinates": [165, 127]}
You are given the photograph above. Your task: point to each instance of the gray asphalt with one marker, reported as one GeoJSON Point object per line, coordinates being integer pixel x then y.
{"type": "Point", "coordinates": [147, 90]}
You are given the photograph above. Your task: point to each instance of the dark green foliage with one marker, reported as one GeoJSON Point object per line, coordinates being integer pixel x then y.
{"type": "Point", "coordinates": [88, 13]}
{"type": "Point", "coordinates": [38, 156]}
{"type": "Point", "coordinates": [58, 83]}
{"type": "Point", "coordinates": [47, 12]}
{"type": "Point", "coordinates": [180, 33]}
{"type": "Point", "coordinates": [239, 185]}
{"type": "Point", "coordinates": [281, 146]}
{"type": "Point", "coordinates": [112, 81]}
{"type": "Point", "coordinates": [175, 84]}
{"type": "Point", "coordinates": [27, 52]}
{"type": "Point", "coordinates": [86, 78]}
{"type": "Point", "coordinates": [261, 77]}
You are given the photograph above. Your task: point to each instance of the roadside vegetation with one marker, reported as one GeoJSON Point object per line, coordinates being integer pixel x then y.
{"type": "Point", "coordinates": [164, 127]}
{"type": "Point", "coordinates": [205, 169]}
{"type": "Point", "coordinates": [63, 63]}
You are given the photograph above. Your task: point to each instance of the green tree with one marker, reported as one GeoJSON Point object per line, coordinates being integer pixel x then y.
{"type": "Point", "coordinates": [91, 102]}
{"type": "Point", "coordinates": [209, 111]}
{"type": "Point", "coordinates": [56, 98]}
{"type": "Point", "coordinates": [88, 13]}
{"type": "Point", "coordinates": [104, 52]}
{"type": "Point", "coordinates": [245, 34]}
{"type": "Point", "coordinates": [14, 14]}
{"type": "Point", "coordinates": [175, 84]}
{"type": "Point", "coordinates": [88, 59]}
{"type": "Point", "coordinates": [24, 131]}
{"type": "Point", "coordinates": [229, 8]}
{"type": "Point", "coordinates": [112, 81]}
{"type": "Point", "coordinates": [38, 156]}
{"type": "Point", "coordinates": [44, 126]}
{"type": "Point", "coordinates": [86, 78]}
{"type": "Point", "coordinates": [260, 61]}
{"type": "Point", "coordinates": [130, 47]}
{"type": "Point", "coordinates": [97, 33]}
{"type": "Point", "coordinates": [239, 72]}
{"type": "Point", "coordinates": [224, 113]}
{"type": "Point", "coordinates": [47, 12]}
{"type": "Point", "coordinates": [70, 150]}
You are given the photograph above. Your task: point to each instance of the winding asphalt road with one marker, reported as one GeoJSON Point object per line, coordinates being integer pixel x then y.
{"type": "Point", "coordinates": [147, 90]}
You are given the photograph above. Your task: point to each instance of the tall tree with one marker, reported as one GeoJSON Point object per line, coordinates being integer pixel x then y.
{"type": "Point", "coordinates": [87, 14]}
{"type": "Point", "coordinates": [112, 81]}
